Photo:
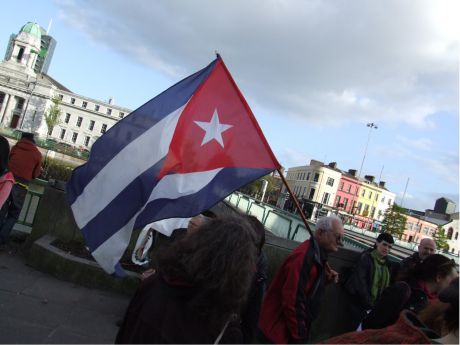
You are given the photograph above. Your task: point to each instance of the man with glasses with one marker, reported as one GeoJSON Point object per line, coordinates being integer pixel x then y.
{"type": "Point", "coordinates": [292, 300]}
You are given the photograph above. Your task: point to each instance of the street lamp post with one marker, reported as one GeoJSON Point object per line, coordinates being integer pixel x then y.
{"type": "Point", "coordinates": [371, 125]}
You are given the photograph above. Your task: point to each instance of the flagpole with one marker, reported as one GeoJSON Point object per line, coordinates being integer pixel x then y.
{"type": "Point", "coordinates": [296, 202]}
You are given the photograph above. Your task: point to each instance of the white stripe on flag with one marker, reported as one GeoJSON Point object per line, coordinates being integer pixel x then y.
{"type": "Point", "coordinates": [109, 253]}
{"type": "Point", "coordinates": [140, 155]}
{"type": "Point", "coordinates": [167, 226]}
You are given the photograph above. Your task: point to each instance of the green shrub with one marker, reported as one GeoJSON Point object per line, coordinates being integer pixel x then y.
{"type": "Point", "coordinates": [57, 169]}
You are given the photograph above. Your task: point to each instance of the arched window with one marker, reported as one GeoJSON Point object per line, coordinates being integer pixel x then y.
{"type": "Point", "coordinates": [450, 232]}
{"type": "Point", "coordinates": [20, 54]}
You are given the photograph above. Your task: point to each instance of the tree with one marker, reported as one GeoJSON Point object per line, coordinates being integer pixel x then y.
{"type": "Point", "coordinates": [394, 221]}
{"type": "Point", "coordinates": [255, 188]}
{"type": "Point", "coordinates": [53, 114]}
{"type": "Point", "coordinates": [440, 238]}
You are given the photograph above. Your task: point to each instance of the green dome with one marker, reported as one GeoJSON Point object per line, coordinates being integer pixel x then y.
{"type": "Point", "coordinates": [33, 29]}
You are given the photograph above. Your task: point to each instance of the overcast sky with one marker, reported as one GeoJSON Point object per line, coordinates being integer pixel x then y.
{"type": "Point", "coordinates": [314, 72]}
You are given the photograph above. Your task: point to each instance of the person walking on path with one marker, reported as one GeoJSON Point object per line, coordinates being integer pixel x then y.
{"type": "Point", "coordinates": [25, 164]}
{"type": "Point", "coordinates": [292, 300]}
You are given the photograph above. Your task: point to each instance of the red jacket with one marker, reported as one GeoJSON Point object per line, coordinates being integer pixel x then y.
{"type": "Point", "coordinates": [291, 302]}
{"type": "Point", "coordinates": [25, 160]}
{"type": "Point", "coordinates": [407, 330]}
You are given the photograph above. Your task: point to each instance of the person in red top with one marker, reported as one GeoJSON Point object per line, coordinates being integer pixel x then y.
{"type": "Point", "coordinates": [25, 164]}
{"type": "Point", "coordinates": [6, 177]}
{"type": "Point", "coordinates": [291, 302]}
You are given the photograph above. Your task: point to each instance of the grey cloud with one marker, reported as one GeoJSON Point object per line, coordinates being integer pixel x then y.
{"type": "Point", "coordinates": [325, 61]}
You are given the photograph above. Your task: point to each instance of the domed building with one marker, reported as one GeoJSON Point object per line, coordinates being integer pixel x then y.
{"type": "Point", "coordinates": [26, 91]}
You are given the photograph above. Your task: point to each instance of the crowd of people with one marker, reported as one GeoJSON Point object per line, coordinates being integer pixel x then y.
{"type": "Point", "coordinates": [210, 286]}
{"type": "Point", "coordinates": [208, 283]}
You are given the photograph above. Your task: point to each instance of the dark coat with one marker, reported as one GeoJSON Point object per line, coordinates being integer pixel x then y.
{"type": "Point", "coordinates": [250, 315]}
{"type": "Point", "coordinates": [394, 299]}
{"type": "Point", "coordinates": [159, 313]}
{"type": "Point", "coordinates": [408, 264]}
{"type": "Point", "coordinates": [358, 285]}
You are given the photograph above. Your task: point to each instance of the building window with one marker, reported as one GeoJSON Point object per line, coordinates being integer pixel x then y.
{"type": "Point", "coordinates": [349, 188]}
{"type": "Point", "coordinates": [308, 176]}
{"type": "Point", "coordinates": [337, 201]}
{"type": "Point", "coordinates": [104, 128]}
{"type": "Point", "coordinates": [50, 131]}
{"type": "Point", "coordinates": [91, 125]}
{"type": "Point", "coordinates": [370, 195]}
{"type": "Point", "coordinates": [341, 185]}
{"type": "Point", "coordinates": [67, 118]}
{"type": "Point", "coordinates": [72, 100]}
{"type": "Point", "coordinates": [450, 232]}
{"type": "Point", "coordinates": [330, 181]}
{"type": "Point", "coordinates": [389, 202]}
{"type": "Point", "coordinates": [383, 199]}
{"type": "Point", "coordinates": [96, 107]}
{"type": "Point", "coordinates": [74, 137]}
{"type": "Point", "coordinates": [360, 206]}
{"type": "Point", "coordinates": [20, 54]}
{"type": "Point", "coordinates": [372, 212]}
{"type": "Point", "coordinates": [61, 97]}
{"type": "Point", "coordinates": [325, 198]}
{"type": "Point", "coordinates": [62, 134]}
{"type": "Point", "coordinates": [456, 236]}
{"type": "Point", "coordinates": [84, 104]}
{"type": "Point", "coordinates": [79, 120]}
{"type": "Point", "coordinates": [312, 194]}
{"type": "Point", "coordinates": [122, 115]}
{"type": "Point", "coordinates": [109, 111]}
{"type": "Point", "coordinates": [87, 141]}
{"type": "Point", "coordinates": [345, 203]}
{"type": "Point", "coordinates": [376, 197]}
{"type": "Point", "coordinates": [363, 192]}
{"type": "Point", "coordinates": [316, 178]}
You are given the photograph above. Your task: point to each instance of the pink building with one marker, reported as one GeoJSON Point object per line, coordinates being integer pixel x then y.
{"type": "Point", "coordinates": [417, 229]}
{"type": "Point", "coordinates": [347, 191]}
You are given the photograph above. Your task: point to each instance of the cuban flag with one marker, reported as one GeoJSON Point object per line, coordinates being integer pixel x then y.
{"type": "Point", "coordinates": [177, 155]}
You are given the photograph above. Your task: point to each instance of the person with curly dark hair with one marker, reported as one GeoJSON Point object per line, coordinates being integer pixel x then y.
{"type": "Point", "coordinates": [201, 283]}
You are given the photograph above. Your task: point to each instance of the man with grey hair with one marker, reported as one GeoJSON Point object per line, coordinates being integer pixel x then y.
{"type": "Point", "coordinates": [426, 248]}
{"type": "Point", "coordinates": [292, 300]}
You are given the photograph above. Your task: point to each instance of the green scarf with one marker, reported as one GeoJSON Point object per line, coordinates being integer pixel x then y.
{"type": "Point", "coordinates": [381, 277]}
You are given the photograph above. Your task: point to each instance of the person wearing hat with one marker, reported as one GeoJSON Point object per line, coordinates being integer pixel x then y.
{"type": "Point", "coordinates": [25, 164]}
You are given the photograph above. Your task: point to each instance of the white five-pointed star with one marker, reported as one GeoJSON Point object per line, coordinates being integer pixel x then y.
{"type": "Point", "coordinates": [214, 129]}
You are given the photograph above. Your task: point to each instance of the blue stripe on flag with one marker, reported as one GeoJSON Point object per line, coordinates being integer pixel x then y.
{"type": "Point", "coordinates": [225, 182]}
{"type": "Point", "coordinates": [132, 126]}
{"type": "Point", "coordinates": [127, 203]}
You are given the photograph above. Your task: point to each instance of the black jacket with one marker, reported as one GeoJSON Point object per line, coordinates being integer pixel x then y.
{"type": "Point", "coordinates": [394, 299]}
{"type": "Point", "coordinates": [359, 283]}
{"type": "Point", "coordinates": [159, 314]}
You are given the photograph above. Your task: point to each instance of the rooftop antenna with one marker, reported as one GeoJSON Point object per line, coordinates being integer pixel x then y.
{"type": "Point", "coordinates": [49, 26]}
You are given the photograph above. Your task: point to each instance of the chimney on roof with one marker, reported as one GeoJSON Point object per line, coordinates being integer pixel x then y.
{"type": "Point", "coordinates": [382, 184]}
{"type": "Point", "coordinates": [352, 172]}
{"type": "Point", "coordinates": [111, 101]}
{"type": "Point", "coordinates": [332, 165]}
{"type": "Point", "coordinates": [315, 162]}
{"type": "Point", "coordinates": [369, 178]}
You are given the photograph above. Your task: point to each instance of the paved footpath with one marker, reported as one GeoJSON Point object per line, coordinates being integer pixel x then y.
{"type": "Point", "coordinates": [38, 308]}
